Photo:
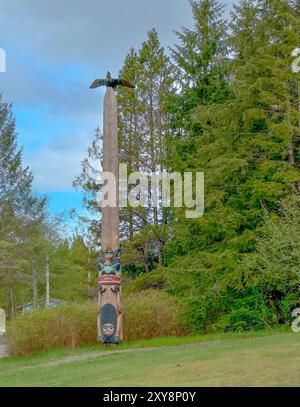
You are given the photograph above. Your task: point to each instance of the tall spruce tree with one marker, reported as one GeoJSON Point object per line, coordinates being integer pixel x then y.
{"type": "Point", "coordinates": [15, 180]}
{"type": "Point", "coordinates": [130, 140]}
{"type": "Point", "coordinates": [156, 81]}
{"type": "Point", "coordinates": [20, 211]}
{"type": "Point", "coordinates": [200, 58]}
{"type": "Point", "coordinates": [197, 109]}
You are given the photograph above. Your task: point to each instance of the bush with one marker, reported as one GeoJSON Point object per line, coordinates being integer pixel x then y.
{"type": "Point", "coordinates": [150, 314]}
{"type": "Point", "coordinates": [245, 311]}
{"type": "Point", "coordinates": [43, 329]}
{"type": "Point", "coordinates": [146, 315]}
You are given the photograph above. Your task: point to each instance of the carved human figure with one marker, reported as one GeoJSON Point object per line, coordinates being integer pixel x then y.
{"type": "Point", "coordinates": [109, 285]}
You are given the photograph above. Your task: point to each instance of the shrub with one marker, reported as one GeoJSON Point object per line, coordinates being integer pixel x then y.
{"type": "Point", "coordinates": [146, 315]}
{"type": "Point", "coordinates": [150, 314]}
{"type": "Point", "coordinates": [247, 310]}
{"type": "Point", "coordinates": [43, 329]}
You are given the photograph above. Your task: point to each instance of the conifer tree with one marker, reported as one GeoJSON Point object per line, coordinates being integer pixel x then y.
{"type": "Point", "coordinates": [155, 83]}
{"type": "Point", "coordinates": [15, 180]}
{"type": "Point", "coordinates": [200, 58]}
{"type": "Point", "coordinates": [21, 213]}
{"type": "Point", "coordinates": [130, 140]}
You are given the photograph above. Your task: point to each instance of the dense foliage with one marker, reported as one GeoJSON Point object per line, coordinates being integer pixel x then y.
{"type": "Point", "coordinates": [235, 116]}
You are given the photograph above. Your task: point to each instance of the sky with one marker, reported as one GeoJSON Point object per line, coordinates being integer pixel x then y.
{"type": "Point", "coordinates": [54, 50]}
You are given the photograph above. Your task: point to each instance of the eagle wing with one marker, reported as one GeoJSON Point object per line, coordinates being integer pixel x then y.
{"type": "Point", "coordinates": [126, 83]}
{"type": "Point", "coordinates": [97, 83]}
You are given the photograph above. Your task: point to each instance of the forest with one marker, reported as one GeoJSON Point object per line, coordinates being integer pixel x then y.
{"type": "Point", "coordinates": [222, 100]}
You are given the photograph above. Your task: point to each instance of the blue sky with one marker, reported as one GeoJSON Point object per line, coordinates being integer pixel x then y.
{"type": "Point", "coordinates": [54, 50]}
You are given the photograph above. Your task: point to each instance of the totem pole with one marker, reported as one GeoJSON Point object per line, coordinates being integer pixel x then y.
{"type": "Point", "coordinates": [110, 327]}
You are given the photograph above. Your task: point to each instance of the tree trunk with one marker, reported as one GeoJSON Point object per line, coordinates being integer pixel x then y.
{"type": "Point", "coordinates": [291, 152]}
{"type": "Point", "coordinates": [34, 286]}
{"type": "Point", "coordinates": [12, 304]}
{"type": "Point", "coordinates": [160, 252]}
{"type": "Point", "coordinates": [291, 146]}
{"type": "Point", "coordinates": [145, 260]}
{"type": "Point", "coordinates": [47, 302]}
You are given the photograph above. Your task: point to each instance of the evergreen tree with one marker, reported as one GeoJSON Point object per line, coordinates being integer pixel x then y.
{"type": "Point", "coordinates": [201, 59]}
{"type": "Point", "coordinates": [15, 180]}
{"type": "Point", "coordinates": [21, 213]}
{"type": "Point", "coordinates": [155, 83]}
{"type": "Point", "coordinates": [130, 140]}
{"type": "Point", "coordinates": [88, 182]}
{"type": "Point", "coordinates": [274, 267]}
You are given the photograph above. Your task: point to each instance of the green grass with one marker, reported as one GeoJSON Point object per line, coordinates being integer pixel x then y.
{"type": "Point", "coordinates": [56, 354]}
{"type": "Point", "coordinates": [252, 359]}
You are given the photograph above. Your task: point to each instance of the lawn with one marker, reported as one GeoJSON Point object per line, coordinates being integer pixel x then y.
{"type": "Point", "coordinates": [264, 360]}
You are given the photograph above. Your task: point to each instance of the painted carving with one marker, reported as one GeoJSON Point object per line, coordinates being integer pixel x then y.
{"type": "Point", "coordinates": [110, 267]}
{"type": "Point", "coordinates": [110, 82]}
{"type": "Point", "coordinates": [109, 282]}
{"type": "Point", "coordinates": [110, 316]}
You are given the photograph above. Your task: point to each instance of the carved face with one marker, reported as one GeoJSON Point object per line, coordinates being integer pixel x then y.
{"type": "Point", "coordinates": [110, 263]}
{"type": "Point", "coordinates": [108, 257]}
{"type": "Point", "coordinates": [108, 320]}
{"type": "Point", "coordinates": [108, 329]}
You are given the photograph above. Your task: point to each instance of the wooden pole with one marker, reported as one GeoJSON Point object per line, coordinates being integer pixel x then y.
{"type": "Point", "coordinates": [110, 329]}
{"type": "Point", "coordinates": [34, 285]}
{"type": "Point", "coordinates": [12, 304]}
{"type": "Point", "coordinates": [47, 302]}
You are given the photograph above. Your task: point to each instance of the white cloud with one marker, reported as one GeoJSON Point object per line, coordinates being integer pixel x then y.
{"type": "Point", "coordinates": [56, 164]}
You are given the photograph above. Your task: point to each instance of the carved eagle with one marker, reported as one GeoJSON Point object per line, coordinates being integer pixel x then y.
{"type": "Point", "coordinates": [110, 82]}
